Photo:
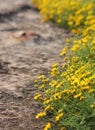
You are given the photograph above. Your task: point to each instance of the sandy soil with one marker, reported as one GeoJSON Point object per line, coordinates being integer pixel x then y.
{"type": "Point", "coordinates": [22, 60]}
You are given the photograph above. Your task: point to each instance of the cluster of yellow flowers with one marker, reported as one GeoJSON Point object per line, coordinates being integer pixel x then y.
{"type": "Point", "coordinates": [72, 13]}
{"type": "Point", "coordinates": [68, 92]}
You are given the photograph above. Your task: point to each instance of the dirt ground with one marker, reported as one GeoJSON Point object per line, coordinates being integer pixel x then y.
{"type": "Point", "coordinates": [22, 60]}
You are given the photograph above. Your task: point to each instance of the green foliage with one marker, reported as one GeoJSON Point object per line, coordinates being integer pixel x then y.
{"type": "Point", "coordinates": [67, 93]}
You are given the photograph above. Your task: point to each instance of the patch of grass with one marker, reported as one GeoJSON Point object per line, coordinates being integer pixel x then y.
{"type": "Point", "coordinates": [68, 92]}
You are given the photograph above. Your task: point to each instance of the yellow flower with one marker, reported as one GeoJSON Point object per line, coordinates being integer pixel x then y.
{"type": "Point", "coordinates": [48, 126]}
{"type": "Point", "coordinates": [49, 107]}
{"type": "Point", "coordinates": [65, 58]}
{"type": "Point", "coordinates": [86, 88]}
{"type": "Point", "coordinates": [58, 21]}
{"type": "Point", "coordinates": [70, 23]}
{"type": "Point", "coordinates": [72, 91]}
{"type": "Point", "coordinates": [40, 114]}
{"type": "Point", "coordinates": [55, 65]}
{"type": "Point", "coordinates": [37, 96]}
{"type": "Point", "coordinates": [57, 96]}
{"type": "Point", "coordinates": [63, 52]}
{"type": "Point", "coordinates": [75, 47]}
{"type": "Point", "coordinates": [63, 128]}
{"type": "Point", "coordinates": [55, 71]}
{"type": "Point", "coordinates": [92, 105]}
{"type": "Point", "coordinates": [47, 101]}
{"type": "Point", "coordinates": [81, 98]}
{"type": "Point", "coordinates": [58, 117]}
{"type": "Point", "coordinates": [53, 83]}
{"type": "Point", "coordinates": [42, 86]}
{"type": "Point", "coordinates": [91, 91]}
{"type": "Point", "coordinates": [67, 40]}
{"type": "Point", "coordinates": [78, 95]}
{"type": "Point", "coordinates": [41, 77]}
{"type": "Point", "coordinates": [45, 80]}
{"type": "Point", "coordinates": [74, 31]}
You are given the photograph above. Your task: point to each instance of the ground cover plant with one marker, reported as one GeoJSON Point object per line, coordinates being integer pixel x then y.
{"type": "Point", "coordinates": [67, 93]}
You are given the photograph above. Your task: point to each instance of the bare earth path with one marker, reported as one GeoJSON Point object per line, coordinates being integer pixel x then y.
{"type": "Point", "coordinates": [21, 61]}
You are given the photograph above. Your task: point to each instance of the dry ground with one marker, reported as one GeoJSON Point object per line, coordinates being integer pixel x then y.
{"type": "Point", "coordinates": [21, 61]}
